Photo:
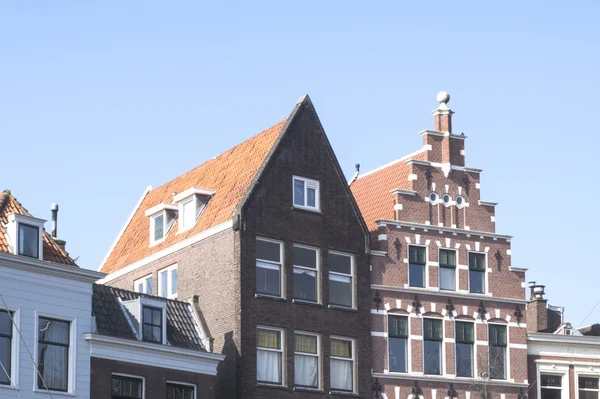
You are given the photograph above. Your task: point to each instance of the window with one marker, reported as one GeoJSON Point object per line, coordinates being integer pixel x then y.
{"type": "Point", "coordinates": [465, 338]}
{"type": "Point", "coordinates": [29, 240]}
{"type": "Point", "coordinates": [497, 355]}
{"type": "Point", "coordinates": [143, 285]}
{"type": "Point", "coordinates": [152, 324]}
{"type": "Point", "coordinates": [6, 329]}
{"type": "Point", "coordinates": [459, 201]}
{"type": "Point", "coordinates": [306, 194]}
{"type": "Point", "coordinates": [124, 387]}
{"type": "Point", "coordinates": [416, 266]}
{"type": "Point", "coordinates": [158, 223]}
{"type": "Point", "coordinates": [477, 273]}
{"type": "Point", "coordinates": [446, 198]}
{"type": "Point", "coordinates": [306, 273]}
{"type": "Point", "coordinates": [306, 360]}
{"type": "Point", "coordinates": [342, 364]}
{"type": "Point", "coordinates": [53, 354]}
{"type": "Point", "coordinates": [269, 356]}
{"type": "Point", "coordinates": [268, 267]}
{"type": "Point", "coordinates": [180, 391]}
{"type": "Point", "coordinates": [588, 388]}
{"type": "Point", "coordinates": [432, 346]}
{"type": "Point", "coordinates": [433, 198]}
{"type": "Point", "coordinates": [188, 214]}
{"type": "Point", "coordinates": [162, 218]}
{"type": "Point", "coordinates": [551, 387]}
{"type": "Point", "coordinates": [447, 269]}
{"type": "Point", "coordinates": [398, 343]}
{"type": "Point", "coordinates": [341, 271]}
{"type": "Point", "coordinates": [167, 281]}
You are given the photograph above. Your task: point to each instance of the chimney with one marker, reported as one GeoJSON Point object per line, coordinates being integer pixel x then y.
{"type": "Point", "coordinates": [54, 233]}
{"type": "Point", "coordinates": [442, 116]}
{"type": "Point", "coordinates": [537, 309]}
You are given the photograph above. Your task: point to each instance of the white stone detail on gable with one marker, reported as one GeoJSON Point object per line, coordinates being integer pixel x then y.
{"type": "Point", "coordinates": [398, 207]}
{"type": "Point", "coordinates": [459, 190]}
{"type": "Point", "coordinates": [433, 306]}
{"type": "Point", "coordinates": [432, 187]}
{"type": "Point", "coordinates": [462, 152]}
{"type": "Point", "coordinates": [497, 311]}
{"type": "Point", "coordinates": [427, 222]}
{"type": "Point", "coordinates": [465, 310]}
{"type": "Point", "coordinates": [508, 318]}
{"type": "Point", "coordinates": [417, 238]}
{"type": "Point", "coordinates": [493, 218]}
{"type": "Point", "coordinates": [486, 250]}
{"type": "Point", "coordinates": [448, 243]}
{"type": "Point", "coordinates": [427, 147]}
{"type": "Point", "coordinates": [478, 186]}
{"type": "Point", "coordinates": [387, 306]}
{"type": "Point", "coordinates": [382, 237]}
{"type": "Point", "coordinates": [447, 187]}
{"type": "Point", "coordinates": [427, 242]}
{"type": "Point", "coordinates": [439, 244]}
{"type": "Point", "coordinates": [468, 247]}
{"type": "Point", "coordinates": [412, 176]}
{"type": "Point", "coordinates": [477, 245]}
{"type": "Point", "coordinates": [398, 304]}
{"type": "Point", "coordinates": [508, 251]}
{"type": "Point", "coordinates": [407, 239]}
{"type": "Point", "coordinates": [457, 245]}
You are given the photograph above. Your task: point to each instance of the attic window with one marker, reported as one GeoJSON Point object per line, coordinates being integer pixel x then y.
{"type": "Point", "coordinates": [29, 240]}
{"type": "Point", "coordinates": [191, 205]}
{"type": "Point", "coordinates": [25, 235]}
{"type": "Point", "coordinates": [162, 218]}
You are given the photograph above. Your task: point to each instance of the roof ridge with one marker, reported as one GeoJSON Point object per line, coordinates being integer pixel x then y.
{"type": "Point", "coordinates": [404, 158]}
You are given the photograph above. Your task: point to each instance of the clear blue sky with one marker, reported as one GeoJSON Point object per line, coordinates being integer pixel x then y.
{"type": "Point", "coordinates": [100, 99]}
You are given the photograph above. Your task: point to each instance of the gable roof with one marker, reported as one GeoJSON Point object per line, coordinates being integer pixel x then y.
{"type": "Point", "coordinates": [372, 190]}
{"type": "Point", "coordinates": [51, 251]}
{"type": "Point", "coordinates": [111, 320]}
{"type": "Point", "coordinates": [229, 175]}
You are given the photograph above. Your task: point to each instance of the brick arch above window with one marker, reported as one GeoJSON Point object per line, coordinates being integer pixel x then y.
{"type": "Point", "coordinates": [463, 317]}
{"type": "Point", "coordinates": [433, 314]}
{"type": "Point", "coordinates": [497, 321]}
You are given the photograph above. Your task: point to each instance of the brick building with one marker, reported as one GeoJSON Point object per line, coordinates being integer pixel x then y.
{"type": "Point", "coordinates": [448, 309]}
{"type": "Point", "coordinates": [269, 243]}
{"type": "Point", "coordinates": [563, 362]}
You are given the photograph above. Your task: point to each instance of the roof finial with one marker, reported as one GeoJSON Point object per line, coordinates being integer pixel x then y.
{"type": "Point", "coordinates": [443, 97]}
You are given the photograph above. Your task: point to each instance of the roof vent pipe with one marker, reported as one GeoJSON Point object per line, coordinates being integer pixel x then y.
{"type": "Point", "coordinates": [54, 209]}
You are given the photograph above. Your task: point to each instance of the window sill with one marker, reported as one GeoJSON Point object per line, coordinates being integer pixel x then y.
{"type": "Point", "coordinates": [54, 393]}
{"type": "Point", "coordinates": [301, 302]}
{"type": "Point", "coordinates": [342, 308]}
{"type": "Point", "coordinates": [271, 386]}
{"type": "Point", "coordinates": [343, 393]}
{"type": "Point", "coordinates": [307, 210]}
{"type": "Point", "coordinates": [272, 297]}
{"type": "Point", "coordinates": [12, 387]}
{"type": "Point", "coordinates": [309, 390]}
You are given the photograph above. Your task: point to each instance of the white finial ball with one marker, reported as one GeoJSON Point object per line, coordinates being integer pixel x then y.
{"type": "Point", "coordinates": [443, 97]}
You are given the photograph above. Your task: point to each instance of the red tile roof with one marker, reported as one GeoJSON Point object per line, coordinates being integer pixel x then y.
{"type": "Point", "coordinates": [372, 190]}
{"type": "Point", "coordinates": [230, 175]}
{"type": "Point", "coordinates": [52, 252]}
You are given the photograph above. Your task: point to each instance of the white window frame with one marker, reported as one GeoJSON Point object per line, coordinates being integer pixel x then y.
{"type": "Point", "coordinates": [72, 374]}
{"type": "Point", "coordinates": [425, 267]}
{"type": "Point", "coordinates": [14, 348]}
{"type": "Point", "coordinates": [153, 240]}
{"type": "Point", "coordinates": [316, 185]}
{"type": "Point", "coordinates": [473, 349]}
{"type": "Point", "coordinates": [13, 229]}
{"type": "Point", "coordinates": [354, 379]}
{"type": "Point", "coordinates": [281, 350]}
{"type": "Point", "coordinates": [561, 375]}
{"type": "Point", "coordinates": [408, 343]}
{"type": "Point", "coordinates": [352, 279]}
{"type": "Point", "coordinates": [169, 281]}
{"type": "Point", "coordinates": [506, 351]}
{"type": "Point", "coordinates": [455, 269]}
{"type": "Point", "coordinates": [442, 346]}
{"type": "Point", "coordinates": [485, 274]}
{"type": "Point", "coordinates": [544, 366]}
{"type": "Point", "coordinates": [269, 262]}
{"type": "Point", "coordinates": [318, 356]}
{"type": "Point", "coordinates": [143, 282]}
{"type": "Point", "coordinates": [139, 377]}
{"type": "Point", "coordinates": [183, 383]}
{"type": "Point", "coordinates": [317, 270]}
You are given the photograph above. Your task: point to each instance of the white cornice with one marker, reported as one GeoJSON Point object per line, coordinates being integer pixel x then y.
{"type": "Point", "coordinates": [159, 208]}
{"type": "Point", "coordinates": [49, 268]}
{"type": "Point", "coordinates": [517, 269]}
{"type": "Point", "coordinates": [564, 339]}
{"type": "Point", "coordinates": [378, 253]}
{"type": "Point", "coordinates": [444, 229]}
{"type": "Point", "coordinates": [403, 192]}
{"type": "Point", "coordinates": [169, 250]}
{"type": "Point", "coordinates": [448, 294]}
{"type": "Point", "coordinates": [148, 354]}
{"type": "Point", "coordinates": [192, 191]}
{"type": "Point", "coordinates": [487, 203]}
{"type": "Point", "coordinates": [427, 132]}
{"type": "Point", "coordinates": [445, 379]}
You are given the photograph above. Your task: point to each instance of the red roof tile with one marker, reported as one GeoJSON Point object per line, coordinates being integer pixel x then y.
{"type": "Point", "coordinates": [52, 252]}
{"type": "Point", "coordinates": [230, 175]}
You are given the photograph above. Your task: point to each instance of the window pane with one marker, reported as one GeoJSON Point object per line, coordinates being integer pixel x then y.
{"type": "Point", "coordinates": [341, 348]}
{"type": "Point", "coordinates": [28, 240]}
{"type": "Point", "coordinates": [164, 284]}
{"type": "Point", "coordinates": [398, 326]}
{"type": "Point", "coordinates": [126, 387]}
{"type": "Point", "coordinates": [175, 391]}
{"type": "Point", "coordinates": [305, 257]}
{"type": "Point", "coordinates": [476, 261]}
{"type": "Point", "coordinates": [476, 282]}
{"type": "Point", "coordinates": [305, 284]}
{"type": "Point", "coordinates": [173, 286]}
{"type": "Point", "coordinates": [306, 371]}
{"type": "Point", "coordinates": [311, 197]}
{"type": "Point", "coordinates": [398, 354]}
{"type": "Point", "coordinates": [341, 375]}
{"type": "Point", "coordinates": [298, 192]}
{"type": "Point", "coordinates": [447, 257]}
{"type": "Point", "coordinates": [549, 380]}
{"type": "Point", "coordinates": [148, 283]}
{"type": "Point", "coordinates": [339, 263]}
{"type": "Point", "coordinates": [147, 315]}
{"type": "Point", "coordinates": [267, 250]}
{"type": "Point", "coordinates": [464, 332]}
{"type": "Point", "coordinates": [268, 279]}
{"type": "Point", "coordinates": [447, 278]}
{"type": "Point", "coordinates": [497, 362]}
{"type": "Point", "coordinates": [53, 331]}
{"type": "Point", "coordinates": [158, 227]}
{"type": "Point", "coordinates": [416, 275]}
{"type": "Point", "coordinates": [53, 366]}
{"type": "Point", "coordinates": [306, 343]}
{"type": "Point", "coordinates": [269, 339]}
{"type": "Point", "coordinates": [432, 356]}
{"type": "Point", "coordinates": [433, 329]}
{"type": "Point", "coordinates": [189, 214]}
{"type": "Point", "coordinates": [497, 335]}
{"type": "Point", "coordinates": [464, 360]}
{"type": "Point", "coordinates": [268, 367]}
{"type": "Point", "coordinates": [5, 323]}
{"type": "Point", "coordinates": [588, 383]}
{"type": "Point", "coordinates": [588, 395]}
{"type": "Point", "coordinates": [340, 290]}
{"type": "Point", "coordinates": [5, 359]}
{"type": "Point", "coordinates": [555, 394]}
{"type": "Point", "coordinates": [416, 254]}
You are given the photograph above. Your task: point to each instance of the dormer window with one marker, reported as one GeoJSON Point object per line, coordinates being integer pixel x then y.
{"type": "Point", "coordinates": [192, 203]}
{"type": "Point", "coordinates": [152, 324]}
{"type": "Point", "coordinates": [162, 218]}
{"type": "Point", "coordinates": [25, 235]}
{"type": "Point", "coordinates": [148, 317]}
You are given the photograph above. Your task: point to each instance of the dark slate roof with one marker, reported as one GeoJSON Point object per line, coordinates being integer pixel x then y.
{"type": "Point", "coordinates": [111, 320]}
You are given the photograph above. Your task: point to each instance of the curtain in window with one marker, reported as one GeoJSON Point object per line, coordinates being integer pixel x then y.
{"type": "Point", "coordinates": [398, 326]}
{"type": "Point", "coordinates": [416, 254]}
{"type": "Point", "coordinates": [341, 375]}
{"type": "Point", "coordinates": [306, 370]}
{"type": "Point", "coordinates": [53, 350]}
{"type": "Point", "coordinates": [477, 261]}
{"type": "Point", "coordinates": [268, 366]}
{"type": "Point", "coordinates": [464, 333]}
{"type": "Point", "coordinates": [497, 335]}
{"type": "Point", "coordinates": [447, 258]}
{"type": "Point", "coordinates": [433, 329]}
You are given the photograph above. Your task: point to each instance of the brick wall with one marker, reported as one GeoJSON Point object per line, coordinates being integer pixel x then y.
{"type": "Point", "coordinates": [155, 379]}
